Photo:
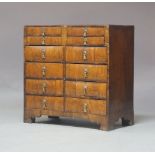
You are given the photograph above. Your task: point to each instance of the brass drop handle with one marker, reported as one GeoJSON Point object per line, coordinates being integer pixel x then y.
{"type": "Point", "coordinates": [43, 40]}
{"type": "Point", "coordinates": [43, 34]}
{"type": "Point", "coordinates": [85, 32]}
{"type": "Point", "coordinates": [43, 71]}
{"type": "Point", "coordinates": [85, 41]}
{"type": "Point", "coordinates": [43, 31]}
{"type": "Point", "coordinates": [44, 86]}
{"type": "Point", "coordinates": [85, 107]}
{"type": "Point", "coordinates": [85, 90]}
{"type": "Point", "coordinates": [84, 55]}
{"type": "Point", "coordinates": [85, 73]}
{"type": "Point", "coordinates": [44, 104]}
{"type": "Point", "coordinates": [43, 54]}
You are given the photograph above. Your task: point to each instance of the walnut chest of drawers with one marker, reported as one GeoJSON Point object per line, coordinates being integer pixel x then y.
{"type": "Point", "coordinates": [81, 72]}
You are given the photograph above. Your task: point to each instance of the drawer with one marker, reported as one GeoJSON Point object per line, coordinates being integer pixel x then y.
{"type": "Point", "coordinates": [44, 87]}
{"type": "Point", "coordinates": [88, 41]}
{"type": "Point", "coordinates": [43, 40]}
{"type": "Point", "coordinates": [44, 103]}
{"type": "Point", "coordinates": [86, 89]}
{"type": "Point", "coordinates": [75, 105]}
{"type": "Point", "coordinates": [44, 54]}
{"type": "Point", "coordinates": [97, 55]}
{"type": "Point", "coordinates": [43, 31]}
{"type": "Point", "coordinates": [86, 72]}
{"type": "Point", "coordinates": [44, 70]}
{"type": "Point", "coordinates": [86, 31]}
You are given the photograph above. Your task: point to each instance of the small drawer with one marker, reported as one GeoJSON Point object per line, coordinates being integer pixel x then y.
{"type": "Point", "coordinates": [44, 87]}
{"type": "Point", "coordinates": [86, 72]}
{"type": "Point", "coordinates": [43, 31]}
{"type": "Point", "coordinates": [87, 106]}
{"type": "Point", "coordinates": [96, 55]}
{"type": "Point", "coordinates": [44, 70]}
{"type": "Point", "coordinates": [43, 41]}
{"type": "Point", "coordinates": [86, 89]}
{"type": "Point", "coordinates": [86, 31]}
{"type": "Point", "coordinates": [85, 41]}
{"type": "Point", "coordinates": [44, 103]}
{"type": "Point", "coordinates": [43, 53]}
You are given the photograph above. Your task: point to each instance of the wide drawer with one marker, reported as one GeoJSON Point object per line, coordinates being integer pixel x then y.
{"type": "Point", "coordinates": [43, 31]}
{"type": "Point", "coordinates": [44, 87]}
{"type": "Point", "coordinates": [86, 89]}
{"type": "Point", "coordinates": [75, 105]}
{"type": "Point", "coordinates": [96, 55]}
{"type": "Point", "coordinates": [86, 72]}
{"type": "Point", "coordinates": [85, 31]}
{"type": "Point", "coordinates": [43, 41]}
{"type": "Point", "coordinates": [44, 54]}
{"type": "Point", "coordinates": [85, 41]}
{"type": "Point", "coordinates": [44, 103]}
{"type": "Point", "coordinates": [44, 70]}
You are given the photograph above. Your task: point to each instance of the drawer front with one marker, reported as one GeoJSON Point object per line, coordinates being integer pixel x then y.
{"type": "Point", "coordinates": [43, 40]}
{"type": "Point", "coordinates": [43, 31]}
{"type": "Point", "coordinates": [86, 72]}
{"type": "Point", "coordinates": [86, 31]}
{"type": "Point", "coordinates": [75, 105]}
{"type": "Point", "coordinates": [44, 87]}
{"type": "Point", "coordinates": [86, 89]}
{"type": "Point", "coordinates": [43, 54]}
{"type": "Point", "coordinates": [89, 41]}
{"type": "Point", "coordinates": [44, 70]}
{"type": "Point", "coordinates": [44, 103]}
{"type": "Point", "coordinates": [86, 55]}
{"type": "Point", "coordinates": [79, 41]}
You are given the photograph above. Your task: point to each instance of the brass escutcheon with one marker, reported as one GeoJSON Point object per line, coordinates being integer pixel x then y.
{"type": "Point", "coordinates": [43, 54]}
{"type": "Point", "coordinates": [85, 34]}
{"type": "Point", "coordinates": [85, 41]}
{"type": "Point", "coordinates": [85, 90]}
{"type": "Point", "coordinates": [44, 104]}
{"type": "Point", "coordinates": [85, 73]}
{"type": "Point", "coordinates": [85, 107]}
{"type": "Point", "coordinates": [85, 31]}
{"type": "Point", "coordinates": [44, 86]}
{"type": "Point", "coordinates": [43, 32]}
{"type": "Point", "coordinates": [84, 55]}
{"type": "Point", "coordinates": [43, 41]}
{"type": "Point", "coordinates": [43, 71]}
